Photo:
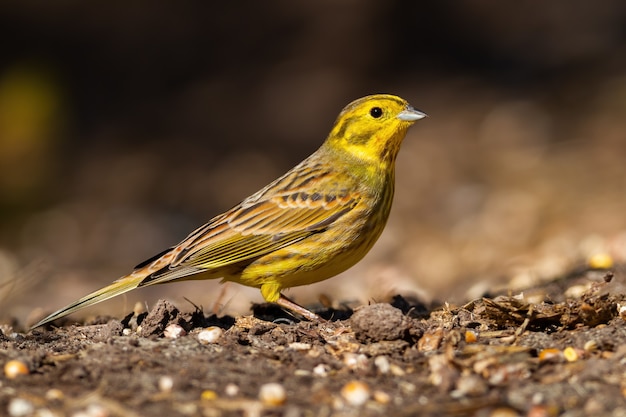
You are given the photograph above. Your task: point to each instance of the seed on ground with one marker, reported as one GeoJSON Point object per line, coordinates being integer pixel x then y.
{"type": "Point", "coordinates": [15, 368]}
{"type": "Point", "coordinates": [210, 335]}
{"type": "Point", "coordinates": [356, 393]}
{"type": "Point", "coordinates": [272, 394]}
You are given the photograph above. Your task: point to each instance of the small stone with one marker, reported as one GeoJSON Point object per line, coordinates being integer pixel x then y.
{"type": "Point", "coordinates": [382, 363]}
{"type": "Point", "coordinates": [19, 407]}
{"type": "Point", "coordinates": [355, 360]}
{"type": "Point", "coordinates": [166, 383]}
{"type": "Point", "coordinates": [320, 370]}
{"type": "Point", "coordinates": [231, 389]}
{"type": "Point", "coordinates": [54, 394]}
{"type": "Point", "coordinates": [381, 397]}
{"type": "Point", "coordinates": [272, 394]}
{"type": "Point", "coordinates": [174, 331]}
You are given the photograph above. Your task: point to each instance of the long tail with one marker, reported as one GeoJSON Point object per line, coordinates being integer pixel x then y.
{"type": "Point", "coordinates": [120, 286]}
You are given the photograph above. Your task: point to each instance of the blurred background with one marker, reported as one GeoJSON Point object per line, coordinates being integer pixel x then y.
{"type": "Point", "coordinates": [125, 126]}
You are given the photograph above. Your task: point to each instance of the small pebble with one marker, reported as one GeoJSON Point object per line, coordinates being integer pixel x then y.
{"type": "Point", "coordinates": [356, 393]}
{"type": "Point", "coordinates": [382, 363]}
{"type": "Point", "coordinates": [355, 360]}
{"type": "Point", "coordinates": [231, 389]}
{"type": "Point", "coordinates": [127, 331]}
{"type": "Point", "coordinates": [54, 394]}
{"type": "Point", "coordinates": [210, 335]}
{"type": "Point", "coordinates": [15, 368]}
{"type": "Point", "coordinates": [381, 397]}
{"type": "Point", "coordinates": [20, 407]}
{"type": "Point", "coordinates": [272, 394]}
{"type": "Point", "coordinates": [320, 370]}
{"type": "Point", "coordinates": [166, 383]}
{"type": "Point", "coordinates": [174, 331]}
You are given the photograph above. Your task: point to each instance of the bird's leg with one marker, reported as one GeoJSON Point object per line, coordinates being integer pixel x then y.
{"type": "Point", "coordinates": [296, 308]}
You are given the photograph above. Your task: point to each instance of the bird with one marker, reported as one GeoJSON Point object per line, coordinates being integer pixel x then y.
{"type": "Point", "coordinates": [312, 223]}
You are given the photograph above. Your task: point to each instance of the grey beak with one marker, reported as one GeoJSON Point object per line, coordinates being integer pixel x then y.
{"type": "Point", "coordinates": [410, 114]}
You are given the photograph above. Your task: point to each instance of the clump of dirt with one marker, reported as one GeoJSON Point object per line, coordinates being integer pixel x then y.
{"type": "Point", "coordinates": [506, 354]}
{"type": "Point", "coordinates": [378, 322]}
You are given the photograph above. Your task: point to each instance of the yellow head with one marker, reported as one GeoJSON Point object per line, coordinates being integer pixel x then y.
{"type": "Point", "coordinates": [371, 129]}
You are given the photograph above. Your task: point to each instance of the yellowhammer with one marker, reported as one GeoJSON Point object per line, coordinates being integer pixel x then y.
{"type": "Point", "coordinates": [314, 222]}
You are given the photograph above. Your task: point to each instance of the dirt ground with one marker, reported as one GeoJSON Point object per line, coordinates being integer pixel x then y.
{"type": "Point", "coordinates": [557, 349]}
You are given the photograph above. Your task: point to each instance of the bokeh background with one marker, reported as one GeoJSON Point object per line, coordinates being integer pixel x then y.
{"type": "Point", "coordinates": [123, 126]}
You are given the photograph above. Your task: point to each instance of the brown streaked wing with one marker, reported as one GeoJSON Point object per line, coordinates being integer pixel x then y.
{"type": "Point", "coordinates": [259, 229]}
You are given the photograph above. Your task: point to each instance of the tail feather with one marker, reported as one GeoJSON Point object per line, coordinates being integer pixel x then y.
{"type": "Point", "coordinates": [120, 286]}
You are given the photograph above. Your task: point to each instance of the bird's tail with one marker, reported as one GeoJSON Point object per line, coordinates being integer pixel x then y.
{"type": "Point", "coordinates": [120, 286]}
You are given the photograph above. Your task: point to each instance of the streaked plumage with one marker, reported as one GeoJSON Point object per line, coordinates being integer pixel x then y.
{"type": "Point", "coordinates": [314, 222]}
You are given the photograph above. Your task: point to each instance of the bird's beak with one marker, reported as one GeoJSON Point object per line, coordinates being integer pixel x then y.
{"type": "Point", "coordinates": [410, 114]}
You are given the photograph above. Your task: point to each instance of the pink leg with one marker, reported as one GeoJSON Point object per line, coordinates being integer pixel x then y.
{"type": "Point", "coordinates": [290, 305]}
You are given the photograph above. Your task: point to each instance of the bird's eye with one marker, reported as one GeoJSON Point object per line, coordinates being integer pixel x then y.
{"type": "Point", "coordinates": [376, 112]}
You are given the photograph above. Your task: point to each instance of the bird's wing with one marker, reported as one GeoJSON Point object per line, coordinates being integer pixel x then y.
{"type": "Point", "coordinates": [250, 230]}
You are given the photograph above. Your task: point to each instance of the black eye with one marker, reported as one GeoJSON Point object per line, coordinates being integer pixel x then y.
{"type": "Point", "coordinates": [376, 112]}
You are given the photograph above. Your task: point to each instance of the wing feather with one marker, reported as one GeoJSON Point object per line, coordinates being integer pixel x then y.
{"type": "Point", "coordinates": [250, 231]}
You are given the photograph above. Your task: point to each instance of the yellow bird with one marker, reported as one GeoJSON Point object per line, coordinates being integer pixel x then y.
{"type": "Point", "coordinates": [314, 222]}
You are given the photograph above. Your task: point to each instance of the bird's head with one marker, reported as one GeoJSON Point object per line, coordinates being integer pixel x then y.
{"type": "Point", "coordinates": [371, 129]}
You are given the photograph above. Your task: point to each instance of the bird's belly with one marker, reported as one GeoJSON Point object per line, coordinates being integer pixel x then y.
{"type": "Point", "coordinates": [316, 258]}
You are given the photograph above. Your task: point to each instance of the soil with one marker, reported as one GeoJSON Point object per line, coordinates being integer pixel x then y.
{"type": "Point", "coordinates": [556, 349]}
